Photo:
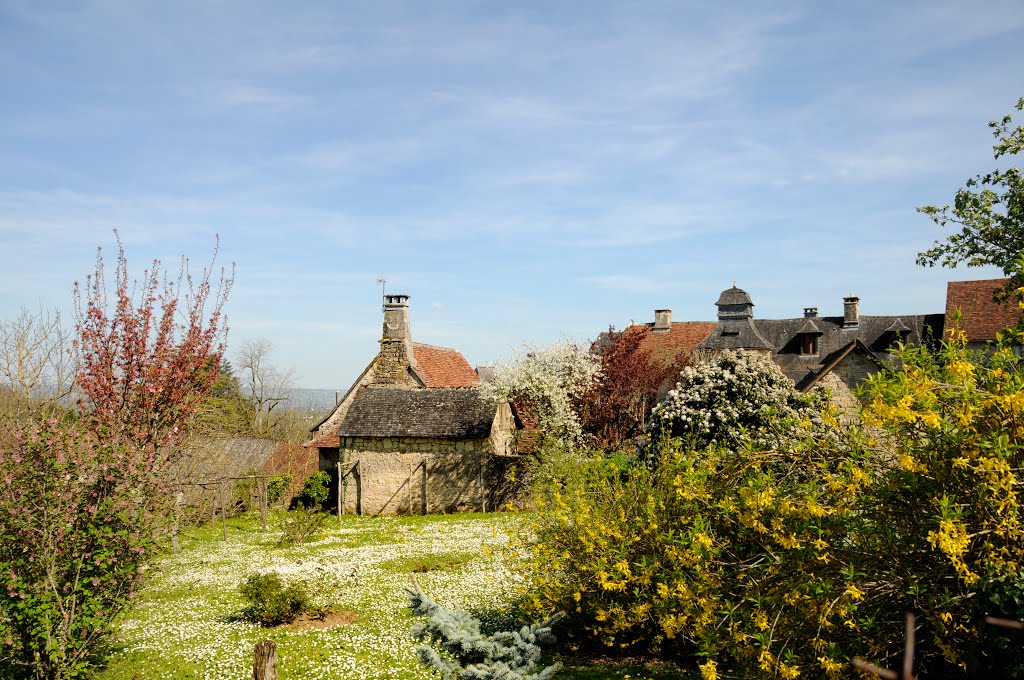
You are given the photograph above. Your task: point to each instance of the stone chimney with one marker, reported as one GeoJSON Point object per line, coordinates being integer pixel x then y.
{"type": "Point", "coordinates": [396, 356]}
{"type": "Point", "coordinates": [810, 312]}
{"type": "Point", "coordinates": [662, 320]}
{"type": "Point", "coordinates": [851, 311]}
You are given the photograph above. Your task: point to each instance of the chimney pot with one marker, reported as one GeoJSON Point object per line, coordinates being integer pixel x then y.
{"type": "Point", "coordinates": [662, 320]}
{"type": "Point", "coordinates": [810, 312]}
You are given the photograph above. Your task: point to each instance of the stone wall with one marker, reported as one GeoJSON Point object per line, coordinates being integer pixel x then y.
{"type": "Point", "coordinates": [393, 364]}
{"type": "Point", "coordinates": [418, 476]}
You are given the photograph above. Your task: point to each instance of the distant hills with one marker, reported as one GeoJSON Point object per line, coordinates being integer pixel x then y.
{"type": "Point", "coordinates": [311, 399]}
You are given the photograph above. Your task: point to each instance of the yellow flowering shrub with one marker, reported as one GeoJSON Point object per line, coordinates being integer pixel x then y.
{"type": "Point", "coordinates": [729, 556]}
{"type": "Point", "coordinates": [945, 520]}
{"type": "Point", "coordinates": [789, 561]}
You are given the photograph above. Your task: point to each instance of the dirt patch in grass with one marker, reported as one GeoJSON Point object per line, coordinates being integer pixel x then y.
{"type": "Point", "coordinates": [342, 617]}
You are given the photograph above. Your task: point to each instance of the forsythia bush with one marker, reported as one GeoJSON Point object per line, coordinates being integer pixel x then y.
{"type": "Point", "coordinates": [946, 517]}
{"type": "Point", "coordinates": [729, 556]}
{"type": "Point", "coordinates": [789, 560]}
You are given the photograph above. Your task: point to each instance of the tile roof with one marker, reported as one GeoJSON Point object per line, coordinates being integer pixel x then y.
{"type": "Point", "coordinates": [665, 348]}
{"type": "Point", "coordinates": [443, 367]}
{"type": "Point", "coordinates": [437, 413]}
{"type": "Point", "coordinates": [324, 441]}
{"type": "Point", "coordinates": [981, 317]}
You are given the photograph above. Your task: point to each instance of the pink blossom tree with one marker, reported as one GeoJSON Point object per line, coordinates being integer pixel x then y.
{"type": "Point", "coordinates": [84, 501]}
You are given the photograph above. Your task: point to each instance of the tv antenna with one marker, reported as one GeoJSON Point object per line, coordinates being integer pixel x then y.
{"type": "Point", "coordinates": [383, 282]}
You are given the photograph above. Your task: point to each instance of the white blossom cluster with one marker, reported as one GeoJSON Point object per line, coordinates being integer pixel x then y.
{"type": "Point", "coordinates": [734, 396]}
{"type": "Point", "coordinates": [549, 378]}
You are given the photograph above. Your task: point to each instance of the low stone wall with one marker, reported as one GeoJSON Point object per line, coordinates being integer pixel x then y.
{"type": "Point", "coordinates": [419, 476]}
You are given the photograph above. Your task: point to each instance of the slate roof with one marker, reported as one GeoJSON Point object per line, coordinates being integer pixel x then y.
{"type": "Point", "coordinates": [443, 367]}
{"type": "Point", "coordinates": [834, 340]}
{"type": "Point", "coordinates": [437, 413]}
{"type": "Point", "coordinates": [981, 318]}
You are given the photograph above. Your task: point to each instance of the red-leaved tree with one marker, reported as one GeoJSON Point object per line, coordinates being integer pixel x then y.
{"type": "Point", "coordinates": [615, 410]}
{"type": "Point", "coordinates": [84, 501]}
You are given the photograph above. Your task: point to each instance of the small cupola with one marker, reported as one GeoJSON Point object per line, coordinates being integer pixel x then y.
{"type": "Point", "coordinates": [734, 303]}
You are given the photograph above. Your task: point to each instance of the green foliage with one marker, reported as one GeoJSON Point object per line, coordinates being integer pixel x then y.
{"type": "Point", "coordinates": [989, 211]}
{"type": "Point", "coordinates": [790, 559]}
{"type": "Point", "coordinates": [77, 531]}
{"type": "Point", "coordinates": [270, 601]}
{"type": "Point", "coordinates": [727, 555]}
{"type": "Point", "coordinates": [302, 525]}
{"type": "Point", "coordinates": [949, 506]}
{"type": "Point", "coordinates": [466, 653]}
{"type": "Point", "coordinates": [315, 490]}
{"type": "Point", "coordinates": [276, 487]}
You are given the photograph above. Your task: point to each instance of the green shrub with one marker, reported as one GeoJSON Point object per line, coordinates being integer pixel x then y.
{"type": "Point", "coordinates": [315, 490]}
{"type": "Point", "coordinates": [276, 487]}
{"type": "Point", "coordinates": [302, 525]}
{"type": "Point", "coordinates": [270, 601]}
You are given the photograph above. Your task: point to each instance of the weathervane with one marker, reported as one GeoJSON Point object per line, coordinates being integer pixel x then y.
{"type": "Point", "coordinates": [383, 282]}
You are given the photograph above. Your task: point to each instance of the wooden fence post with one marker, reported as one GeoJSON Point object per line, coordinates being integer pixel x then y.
{"type": "Point", "coordinates": [264, 501]}
{"type": "Point", "coordinates": [178, 499]}
{"type": "Point", "coordinates": [224, 509]}
{"type": "Point", "coordinates": [359, 487]}
{"type": "Point", "coordinates": [264, 662]}
{"type": "Point", "coordinates": [426, 488]}
{"type": "Point", "coordinates": [341, 497]}
{"type": "Point", "coordinates": [409, 482]}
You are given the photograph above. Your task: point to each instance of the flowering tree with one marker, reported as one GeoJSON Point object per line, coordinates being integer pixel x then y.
{"type": "Point", "coordinates": [151, 355]}
{"type": "Point", "coordinates": [549, 378]}
{"type": "Point", "coordinates": [616, 408]}
{"type": "Point", "coordinates": [83, 501]}
{"type": "Point", "coordinates": [732, 398]}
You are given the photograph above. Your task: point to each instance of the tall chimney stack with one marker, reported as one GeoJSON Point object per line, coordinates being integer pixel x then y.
{"type": "Point", "coordinates": [851, 311]}
{"type": "Point", "coordinates": [396, 355]}
{"type": "Point", "coordinates": [662, 320]}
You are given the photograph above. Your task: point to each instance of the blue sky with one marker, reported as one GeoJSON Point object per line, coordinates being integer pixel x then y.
{"type": "Point", "coordinates": [523, 170]}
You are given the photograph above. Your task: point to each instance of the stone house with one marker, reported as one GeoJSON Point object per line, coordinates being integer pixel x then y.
{"type": "Point", "coordinates": [836, 352]}
{"type": "Point", "coordinates": [980, 316]}
{"type": "Point", "coordinates": [413, 435]}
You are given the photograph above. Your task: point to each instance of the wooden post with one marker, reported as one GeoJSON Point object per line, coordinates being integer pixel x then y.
{"type": "Point", "coordinates": [359, 487]}
{"type": "Point", "coordinates": [343, 490]}
{"type": "Point", "coordinates": [483, 487]}
{"type": "Point", "coordinates": [409, 482]}
{"type": "Point", "coordinates": [264, 501]}
{"type": "Point", "coordinates": [264, 661]}
{"type": "Point", "coordinates": [178, 499]}
{"type": "Point", "coordinates": [340, 497]}
{"type": "Point", "coordinates": [223, 510]}
{"type": "Point", "coordinates": [426, 489]}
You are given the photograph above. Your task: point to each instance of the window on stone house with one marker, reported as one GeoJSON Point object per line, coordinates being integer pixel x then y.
{"type": "Point", "coordinates": [808, 343]}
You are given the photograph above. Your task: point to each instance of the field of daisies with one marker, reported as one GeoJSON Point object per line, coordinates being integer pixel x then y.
{"type": "Point", "coordinates": [187, 622]}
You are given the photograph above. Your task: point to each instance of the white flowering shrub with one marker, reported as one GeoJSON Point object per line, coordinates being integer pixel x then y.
{"type": "Point", "coordinates": [549, 378]}
{"type": "Point", "coordinates": [733, 398]}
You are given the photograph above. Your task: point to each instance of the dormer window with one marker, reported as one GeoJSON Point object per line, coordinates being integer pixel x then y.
{"type": "Point", "coordinates": [808, 343]}
{"type": "Point", "coordinates": [895, 335]}
{"type": "Point", "coordinates": [809, 334]}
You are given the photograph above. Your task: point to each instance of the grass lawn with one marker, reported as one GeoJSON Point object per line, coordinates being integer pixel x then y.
{"type": "Point", "coordinates": [187, 620]}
